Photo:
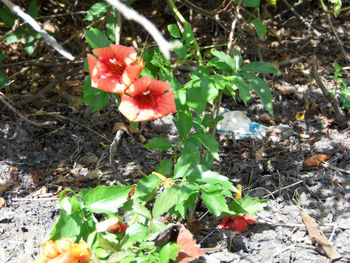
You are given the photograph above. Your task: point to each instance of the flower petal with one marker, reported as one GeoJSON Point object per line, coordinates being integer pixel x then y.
{"type": "Point", "coordinates": [131, 73]}
{"type": "Point", "coordinates": [139, 86]}
{"type": "Point", "coordinates": [110, 84]}
{"type": "Point", "coordinates": [92, 62]}
{"type": "Point", "coordinates": [239, 224]}
{"type": "Point", "coordinates": [249, 218]}
{"type": "Point", "coordinates": [128, 107]}
{"type": "Point", "coordinates": [105, 53]}
{"type": "Point", "coordinates": [126, 54]}
{"type": "Point", "coordinates": [158, 86]}
{"type": "Point", "coordinates": [166, 103]}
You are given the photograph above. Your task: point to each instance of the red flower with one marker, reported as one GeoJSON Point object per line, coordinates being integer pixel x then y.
{"type": "Point", "coordinates": [147, 99]}
{"type": "Point", "coordinates": [112, 224]}
{"type": "Point", "coordinates": [237, 223]}
{"type": "Point", "coordinates": [116, 68]}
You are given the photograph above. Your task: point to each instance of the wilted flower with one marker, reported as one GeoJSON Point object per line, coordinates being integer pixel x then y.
{"type": "Point", "coordinates": [147, 99]}
{"type": "Point", "coordinates": [112, 224]}
{"type": "Point", "coordinates": [115, 69]}
{"type": "Point", "coordinates": [237, 223]}
{"type": "Point", "coordinates": [64, 251]}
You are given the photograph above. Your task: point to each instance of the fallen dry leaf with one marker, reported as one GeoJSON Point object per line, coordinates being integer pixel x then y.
{"type": "Point", "coordinates": [2, 202]}
{"type": "Point", "coordinates": [13, 176]}
{"type": "Point", "coordinates": [314, 161]}
{"type": "Point", "coordinates": [189, 250]}
{"type": "Point", "coordinates": [36, 175]}
{"type": "Point", "coordinates": [120, 126]}
{"type": "Point", "coordinates": [317, 236]}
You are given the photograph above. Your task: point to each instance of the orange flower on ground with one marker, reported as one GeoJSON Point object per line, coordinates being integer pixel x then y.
{"type": "Point", "coordinates": [64, 251]}
{"type": "Point", "coordinates": [115, 69]}
{"type": "Point", "coordinates": [147, 99]}
{"type": "Point", "coordinates": [237, 223]}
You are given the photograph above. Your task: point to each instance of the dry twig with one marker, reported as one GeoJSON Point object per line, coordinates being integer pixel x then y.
{"type": "Point", "coordinates": [48, 38]}
{"type": "Point", "coordinates": [112, 150]}
{"type": "Point", "coordinates": [339, 115]}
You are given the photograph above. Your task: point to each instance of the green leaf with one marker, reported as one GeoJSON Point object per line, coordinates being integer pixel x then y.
{"type": "Point", "coordinates": [168, 252]}
{"type": "Point", "coordinates": [71, 204]}
{"type": "Point", "coordinates": [174, 31]}
{"type": "Point", "coordinates": [239, 83]}
{"type": "Point", "coordinates": [111, 25]}
{"type": "Point", "coordinates": [29, 46]}
{"type": "Point", "coordinates": [165, 166]}
{"type": "Point", "coordinates": [183, 163]}
{"type": "Point", "coordinates": [262, 90]}
{"type": "Point", "coordinates": [223, 61]}
{"type": "Point", "coordinates": [259, 27]}
{"type": "Point", "coordinates": [97, 10]}
{"type": "Point", "coordinates": [158, 143]}
{"type": "Point", "coordinates": [212, 178]}
{"type": "Point", "coordinates": [237, 58]}
{"type": "Point", "coordinates": [141, 210]}
{"type": "Point", "coordinates": [137, 232]}
{"type": "Point", "coordinates": [106, 199]}
{"type": "Point", "coordinates": [96, 38]}
{"type": "Point", "coordinates": [95, 98]}
{"type": "Point", "coordinates": [147, 187]}
{"type": "Point", "coordinates": [16, 36]}
{"type": "Point", "coordinates": [209, 143]}
{"type": "Point", "coordinates": [2, 57]}
{"type": "Point", "coordinates": [183, 123]}
{"type": "Point", "coordinates": [336, 7]}
{"type": "Point", "coordinates": [215, 202]}
{"type": "Point", "coordinates": [187, 196]}
{"type": "Point", "coordinates": [188, 35]}
{"type": "Point", "coordinates": [3, 78]}
{"type": "Point", "coordinates": [251, 3]}
{"type": "Point", "coordinates": [7, 16]}
{"type": "Point", "coordinates": [196, 99]}
{"type": "Point", "coordinates": [260, 67]}
{"type": "Point", "coordinates": [166, 200]}
{"type": "Point", "coordinates": [33, 10]}
{"type": "Point", "coordinates": [67, 226]}
{"type": "Point", "coordinates": [247, 205]}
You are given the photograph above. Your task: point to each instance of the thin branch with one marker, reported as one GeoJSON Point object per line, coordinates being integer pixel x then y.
{"type": "Point", "coordinates": [164, 46]}
{"type": "Point", "coordinates": [112, 150]}
{"type": "Point", "coordinates": [339, 115]}
{"type": "Point", "coordinates": [49, 39]}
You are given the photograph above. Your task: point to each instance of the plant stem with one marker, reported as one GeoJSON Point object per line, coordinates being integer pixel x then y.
{"type": "Point", "coordinates": [185, 23]}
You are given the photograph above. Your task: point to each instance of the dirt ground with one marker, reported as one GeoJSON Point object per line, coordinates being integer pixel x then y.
{"type": "Point", "coordinates": [72, 150]}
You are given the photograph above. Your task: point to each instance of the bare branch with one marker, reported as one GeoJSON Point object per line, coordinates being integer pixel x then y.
{"type": "Point", "coordinates": [164, 46]}
{"type": "Point", "coordinates": [27, 18]}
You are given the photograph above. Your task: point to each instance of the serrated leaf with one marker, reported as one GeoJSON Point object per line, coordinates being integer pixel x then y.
{"type": "Point", "coordinates": [141, 210]}
{"type": "Point", "coordinates": [165, 166]}
{"type": "Point", "coordinates": [209, 143]}
{"type": "Point", "coordinates": [158, 143]}
{"type": "Point", "coordinates": [67, 226]}
{"type": "Point", "coordinates": [247, 205]}
{"type": "Point", "coordinates": [196, 99]}
{"type": "Point", "coordinates": [166, 200]}
{"type": "Point", "coordinates": [96, 38]}
{"type": "Point", "coordinates": [106, 199]}
{"type": "Point", "coordinates": [147, 187]}
{"type": "Point", "coordinates": [215, 202]}
{"type": "Point", "coordinates": [168, 252]}
{"type": "Point", "coordinates": [262, 90]}
{"type": "Point", "coordinates": [239, 83]}
{"type": "Point", "coordinates": [259, 27]}
{"type": "Point", "coordinates": [111, 25]}
{"type": "Point", "coordinates": [260, 67]}
{"type": "Point", "coordinates": [187, 35]}
{"type": "Point", "coordinates": [174, 30]}
{"type": "Point", "coordinates": [183, 123]}
{"type": "Point", "coordinates": [96, 10]}
{"type": "Point", "coordinates": [183, 163]}
{"type": "Point", "coordinates": [137, 232]}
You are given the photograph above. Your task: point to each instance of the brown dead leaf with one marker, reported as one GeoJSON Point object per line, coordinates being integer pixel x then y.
{"type": "Point", "coordinates": [2, 202]}
{"type": "Point", "coordinates": [13, 176]}
{"type": "Point", "coordinates": [189, 250]}
{"type": "Point", "coordinates": [41, 191]}
{"type": "Point", "coordinates": [120, 126]}
{"type": "Point", "coordinates": [317, 236]}
{"type": "Point", "coordinates": [314, 161]}
{"type": "Point", "coordinates": [36, 175]}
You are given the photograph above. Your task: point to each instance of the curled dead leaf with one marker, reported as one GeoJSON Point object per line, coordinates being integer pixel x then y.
{"type": "Point", "coordinates": [189, 250]}
{"type": "Point", "coordinates": [314, 161]}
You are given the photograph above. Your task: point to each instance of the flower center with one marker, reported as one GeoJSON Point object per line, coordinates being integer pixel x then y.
{"type": "Point", "coordinates": [146, 100]}
{"type": "Point", "coordinates": [115, 66]}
